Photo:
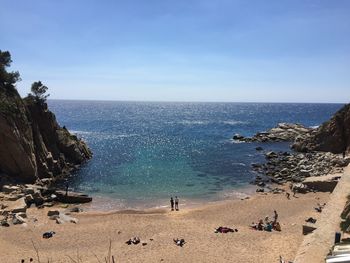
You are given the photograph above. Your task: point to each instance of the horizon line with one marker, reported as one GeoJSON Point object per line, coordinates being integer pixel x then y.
{"type": "Point", "coordinates": [177, 101]}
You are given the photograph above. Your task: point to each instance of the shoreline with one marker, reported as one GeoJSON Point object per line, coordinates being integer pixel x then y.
{"type": "Point", "coordinates": [94, 230]}
{"type": "Point", "coordinates": [110, 204]}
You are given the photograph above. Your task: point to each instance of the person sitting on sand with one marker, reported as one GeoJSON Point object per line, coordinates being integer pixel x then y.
{"type": "Point", "coordinates": [266, 219]}
{"type": "Point", "coordinates": [268, 227]}
{"type": "Point", "coordinates": [277, 226]}
{"type": "Point", "coordinates": [288, 195]}
{"type": "Point", "coordinates": [294, 190]}
{"type": "Point", "coordinates": [260, 226]}
{"type": "Point", "coordinates": [176, 203]}
{"type": "Point", "coordinates": [275, 216]}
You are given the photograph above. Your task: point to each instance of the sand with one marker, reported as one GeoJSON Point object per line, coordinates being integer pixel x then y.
{"type": "Point", "coordinates": [90, 237]}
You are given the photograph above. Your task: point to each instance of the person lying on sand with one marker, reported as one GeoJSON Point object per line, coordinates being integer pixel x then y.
{"type": "Point", "coordinates": [134, 241]}
{"type": "Point", "coordinates": [261, 225]}
{"type": "Point", "coordinates": [48, 234]}
{"type": "Point", "coordinates": [258, 226]}
{"type": "Point", "coordinates": [254, 225]}
{"type": "Point", "coordinates": [320, 207]}
{"type": "Point", "coordinates": [179, 242]}
{"type": "Point", "coordinates": [224, 229]}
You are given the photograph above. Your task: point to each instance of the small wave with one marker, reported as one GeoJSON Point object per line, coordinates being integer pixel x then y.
{"type": "Point", "coordinates": [239, 164]}
{"type": "Point", "coordinates": [314, 127]}
{"type": "Point", "coordinates": [235, 141]}
{"type": "Point", "coordinates": [80, 132]}
{"type": "Point", "coordinates": [233, 122]}
{"type": "Point", "coordinates": [195, 122]}
{"type": "Point", "coordinates": [236, 195]}
{"type": "Point", "coordinates": [125, 135]}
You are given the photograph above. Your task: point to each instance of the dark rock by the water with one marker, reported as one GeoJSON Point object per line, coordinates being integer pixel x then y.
{"type": "Point", "coordinates": [283, 132]}
{"type": "Point", "coordinates": [332, 136]}
{"type": "Point", "coordinates": [72, 197]}
{"type": "Point", "coordinates": [238, 137]}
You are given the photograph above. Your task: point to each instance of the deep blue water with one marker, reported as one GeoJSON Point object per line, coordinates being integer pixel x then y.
{"type": "Point", "coordinates": [146, 151]}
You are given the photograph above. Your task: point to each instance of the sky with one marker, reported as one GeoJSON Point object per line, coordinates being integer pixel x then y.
{"type": "Point", "coordinates": [181, 50]}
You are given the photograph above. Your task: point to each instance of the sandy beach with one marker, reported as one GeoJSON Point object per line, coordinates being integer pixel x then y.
{"type": "Point", "coordinates": [90, 237]}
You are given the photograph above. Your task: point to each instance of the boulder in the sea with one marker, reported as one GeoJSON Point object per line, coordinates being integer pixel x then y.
{"type": "Point", "coordinates": [238, 137]}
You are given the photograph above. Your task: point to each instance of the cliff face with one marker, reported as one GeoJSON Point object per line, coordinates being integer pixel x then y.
{"type": "Point", "coordinates": [32, 144]}
{"type": "Point", "coordinates": [332, 136]}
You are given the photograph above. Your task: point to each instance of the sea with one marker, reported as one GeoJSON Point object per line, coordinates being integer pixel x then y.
{"type": "Point", "coordinates": [146, 152]}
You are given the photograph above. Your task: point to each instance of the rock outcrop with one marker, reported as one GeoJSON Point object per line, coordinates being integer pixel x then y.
{"type": "Point", "coordinates": [283, 132]}
{"type": "Point", "coordinates": [332, 136]}
{"type": "Point", "coordinates": [32, 144]}
{"type": "Point", "coordinates": [282, 167]}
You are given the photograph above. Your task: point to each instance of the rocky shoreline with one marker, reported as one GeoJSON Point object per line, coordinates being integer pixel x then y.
{"type": "Point", "coordinates": [317, 152]}
{"type": "Point", "coordinates": [283, 167]}
{"type": "Point", "coordinates": [284, 132]}
{"type": "Point", "coordinates": [16, 199]}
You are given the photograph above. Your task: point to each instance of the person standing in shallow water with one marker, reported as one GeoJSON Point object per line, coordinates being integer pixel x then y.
{"type": "Point", "coordinates": [176, 203]}
{"type": "Point", "coordinates": [172, 203]}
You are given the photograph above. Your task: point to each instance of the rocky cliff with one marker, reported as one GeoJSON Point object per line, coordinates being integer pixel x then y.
{"type": "Point", "coordinates": [332, 136]}
{"type": "Point", "coordinates": [32, 144]}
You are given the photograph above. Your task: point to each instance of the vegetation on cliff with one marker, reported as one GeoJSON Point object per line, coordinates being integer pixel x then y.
{"type": "Point", "coordinates": [32, 143]}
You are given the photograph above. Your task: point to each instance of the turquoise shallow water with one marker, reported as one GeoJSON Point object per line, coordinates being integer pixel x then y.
{"type": "Point", "coordinates": [146, 151]}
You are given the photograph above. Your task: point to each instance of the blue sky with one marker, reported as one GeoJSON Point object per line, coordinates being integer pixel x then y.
{"type": "Point", "coordinates": [184, 50]}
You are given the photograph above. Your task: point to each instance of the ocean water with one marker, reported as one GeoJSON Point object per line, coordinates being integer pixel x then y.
{"type": "Point", "coordinates": [145, 152]}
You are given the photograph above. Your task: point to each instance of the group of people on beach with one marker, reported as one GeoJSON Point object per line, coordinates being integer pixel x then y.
{"type": "Point", "coordinates": [174, 202]}
{"type": "Point", "coordinates": [267, 225]}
